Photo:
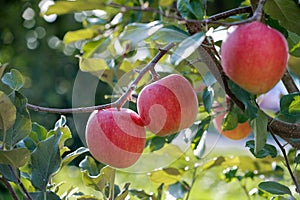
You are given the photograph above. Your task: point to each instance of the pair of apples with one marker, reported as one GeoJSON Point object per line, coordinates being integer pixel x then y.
{"type": "Point", "coordinates": [254, 56]}
{"type": "Point", "coordinates": [117, 137]}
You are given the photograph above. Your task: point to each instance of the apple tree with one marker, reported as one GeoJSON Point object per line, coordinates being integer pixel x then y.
{"type": "Point", "coordinates": [179, 75]}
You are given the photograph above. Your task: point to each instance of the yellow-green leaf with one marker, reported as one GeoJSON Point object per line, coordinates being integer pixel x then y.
{"type": "Point", "coordinates": [7, 112]}
{"type": "Point", "coordinates": [64, 7]}
{"type": "Point", "coordinates": [82, 34]}
{"type": "Point", "coordinates": [16, 157]}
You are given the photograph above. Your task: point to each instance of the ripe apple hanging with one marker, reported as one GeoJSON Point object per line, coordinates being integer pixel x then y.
{"type": "Point", "coordinates": [115, 137]}
{"type": "Point", "coordinates": [168, 105]}
{"type": "Point", "coordinates": [254, 56]}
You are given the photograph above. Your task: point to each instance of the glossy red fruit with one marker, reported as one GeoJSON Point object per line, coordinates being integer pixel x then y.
{"type": "Point", "coordinates": [254, 56]}
{"type": "Point", "coordinates": [115, 137]}
{"type": "Point", "coordinates": [168, 105]}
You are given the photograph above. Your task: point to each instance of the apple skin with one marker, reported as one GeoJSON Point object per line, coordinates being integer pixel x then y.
{"type": "Point", "coordinates": [254, 56]}
{"type": "Point", "coordinates": [115, 137]}
{"type": "Point", "coordinates": [168, 105]}
{"type": "Point", "coordinates": [240, 132]}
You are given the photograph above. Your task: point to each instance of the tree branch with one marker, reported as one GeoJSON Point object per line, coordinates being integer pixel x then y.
{"type": "Point", "coordinates": [119, 102]}
{"type": "Point", "coordinates": [286, 161]}
{"type": "Point", "coordinates": [210, 20]}
{"type": "Point", "coordinates": [9, 188]}
{"type": "Point", "coordinates": [289, 83]}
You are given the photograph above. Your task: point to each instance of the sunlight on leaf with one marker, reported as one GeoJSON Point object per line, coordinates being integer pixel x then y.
{"type": "Point", "coordinates": [82, 34]}
{"type": "Point", "coordinates": [136, 32]}
{"type": "Point", "coordinates": [187, 47]}
{"type": "Point", "coordinates": [13, 79]}
{"type": "Point", "coordinates": [64, 7]}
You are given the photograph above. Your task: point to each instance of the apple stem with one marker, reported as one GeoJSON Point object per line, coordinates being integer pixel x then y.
{"type": "Point", "coordinates": [119, 102]}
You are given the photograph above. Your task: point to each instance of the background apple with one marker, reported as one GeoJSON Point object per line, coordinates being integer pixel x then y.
{"type": "Point", "coordinates": [168, 105]}
{"type": "Point", "coordinates": [241, 131]}
{"type": "Point", "coordinates": [254, 56]}
{"type": "Point", "coordinates": [115, 137]}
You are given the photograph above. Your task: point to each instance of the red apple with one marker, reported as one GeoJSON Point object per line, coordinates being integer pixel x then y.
{"type": "Point", "coordinates": [254, 56]}
{"type": "Point", "coordinates": [240, 132]}
{"type": "Point", "coordinates": [115, 137]}
{"type": "Point", "coordinates": [168, 105]}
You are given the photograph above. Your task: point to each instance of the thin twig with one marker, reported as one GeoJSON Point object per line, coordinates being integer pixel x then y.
{"type": "Point", "coordinates": [286, 161]}
{"type": "Point", "coordinates": [210, 20]}
{"type": "Point", "coordinates": [119, 102]}
{"type": "Point", "coordinates": [9, 188]}
{"type": "Point", "coordinates": [27, 196]}
{"type": "Point", "coordinates": [192, 183]}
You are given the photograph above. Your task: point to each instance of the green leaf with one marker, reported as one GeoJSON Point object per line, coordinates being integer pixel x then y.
{"type": "Point", "coordinates": [71, 156]}
{"type": "Point", "coordinates": [213, 163]}
{"type": "Point", "coordinates": [82, 34]}
{"type": "Point", "coordinates": [245, 97]}
{"type": "Point", "coordinates": [7, 112]}
{"type": "Point", "coordinates": [39, 132]}
{"type": "Point", "coordinates": [124, 192]}
{"type": "Point", "coordinates": [290, 108]}
{"type": "Point", "coordinates": [93, 47]}
{"type": "Point", "coordinates": [49, 195]}
{"type": "Point", "coordinates": [230, 121]}
{"type": "Point", "coordinates": [157, 143]}
{"type": "Point", "coordinates": [7, 173]}
{"type": "Point", "coordinates": [264, 152]}
{"type": "Point", "coordinates": [177, 190]}
{"type": "Point", "coordinates": [94, 65]}
{"type": "Point", "coordinates": [64, 7]}
{"type": "Point", "coordinates": [165, 3]}
{"type": "Point", "coordinates": [90, 165]}
{"type": "Point", "coordinates": [13, 79]}
{"type": "Point", "coordinates": [160, 191]}
{"type": "Point", "coordinates": [230, 173]}
{"type": "Point", "coordinates": [187, 47]}
{"type": "Point", "coordinates": [274, 188]}
{"type": "Point", "coordinates": [61, 122]}
{"type": "Point", "coordinates": [22, 126]}
{"type": "Point", "coordinates": [190, 9]}
{"type": "Point", "coordinates": [297, 158]}
{"type": "Point", "coordinates": [169, 34]}
{"type": "Point", "coordinates": [200, 129]}
{"type": "Point", "coordinates": [259, 128]}
{"type": "Point", "coordinates": [208, 98]}
{"type": "Point", "coordinates": [294, 44]}
{"type": "Point", "coordinates": [45, 161]}
{"type": "Point", "coordinates": [286, 12]}
{"type": "Point", "coordinates": [141, 194]}
{"type": "Point", "coordinates": [2, 68]}
{"type": "Point", "coordinates": [100, 181]}
{"type": "Point", "coordinates": [137, 32]}
{"type": "Point", "coordinates": [17, 157]}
